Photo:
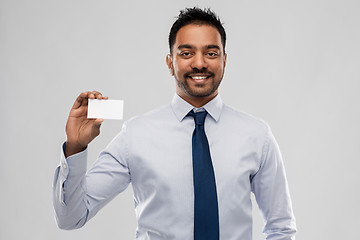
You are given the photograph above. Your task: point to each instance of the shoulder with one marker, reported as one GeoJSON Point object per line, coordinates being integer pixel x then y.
{"type": "Point", "coordinates": [244, 120]}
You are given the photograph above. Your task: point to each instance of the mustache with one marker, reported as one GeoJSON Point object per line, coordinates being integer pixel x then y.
{"type": "Point", "coordinates": [197, 71]}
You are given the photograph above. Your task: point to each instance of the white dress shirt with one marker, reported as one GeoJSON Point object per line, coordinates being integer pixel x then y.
{"type": "Point", "coordinates": [153, 152]}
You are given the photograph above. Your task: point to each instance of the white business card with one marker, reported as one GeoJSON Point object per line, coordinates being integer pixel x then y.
{"type": "Point", "coordinates": [105, 109]}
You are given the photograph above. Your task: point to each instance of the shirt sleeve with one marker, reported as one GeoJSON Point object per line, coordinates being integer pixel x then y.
{"type": "Point", "coordinates": [78, 195]}
{"type": "Point", "coordinates": [272, 193]}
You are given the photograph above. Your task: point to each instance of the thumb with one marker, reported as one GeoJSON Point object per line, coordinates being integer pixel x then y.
{"type": "Point", "coordinates": [96, 127]}
{"type": "Point", "coordinates": [98, 122]}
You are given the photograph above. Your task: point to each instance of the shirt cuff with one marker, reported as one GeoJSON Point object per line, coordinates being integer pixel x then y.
{"type": "Point", "coordinates": [77, 163]}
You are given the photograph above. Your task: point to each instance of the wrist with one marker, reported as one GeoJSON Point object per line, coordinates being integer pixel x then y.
{"type": "Point", "coordinates": [73, 148]}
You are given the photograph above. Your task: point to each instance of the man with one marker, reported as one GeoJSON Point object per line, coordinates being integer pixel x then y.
{"type": "Point", "coordinates": [187, 184]}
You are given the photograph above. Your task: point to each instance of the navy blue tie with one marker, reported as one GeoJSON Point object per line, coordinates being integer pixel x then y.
{"type": "Point", "coordinates": [206, 216]}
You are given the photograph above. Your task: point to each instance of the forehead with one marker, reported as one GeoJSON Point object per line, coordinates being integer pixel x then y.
{"type": "Point", "coordinates": [198, 36]}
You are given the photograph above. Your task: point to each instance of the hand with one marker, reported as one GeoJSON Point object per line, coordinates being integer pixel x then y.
{"type": "Point", "coordinates": [80, 130]}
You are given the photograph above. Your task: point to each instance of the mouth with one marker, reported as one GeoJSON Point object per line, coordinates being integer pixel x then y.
{"type": "Point", "coordinates": [199, 78]}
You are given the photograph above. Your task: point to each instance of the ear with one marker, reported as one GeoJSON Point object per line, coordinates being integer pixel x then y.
{"type": "Point", "coordinates": [225, 57]}
{"type": "Point", "coordinates": [169, 63]}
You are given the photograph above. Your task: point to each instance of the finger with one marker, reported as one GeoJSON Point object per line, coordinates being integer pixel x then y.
{"type": "Point", "coordinates": [106, 97]}
{"type": "Point", "coordinates": [97, 125]}
{"type": "Point", "coordinates": [98, 122]}
{"type": "Point", "coordinates": [80, 100]}
{"type": "Point", "coordinates": [97, 94]}
{"type": "Point", "coordinates": [91, 95]}
{"type": "Point", "coordinates": [86, 98]}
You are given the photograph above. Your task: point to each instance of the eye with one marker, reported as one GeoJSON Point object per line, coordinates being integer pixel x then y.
{"type": "Point", "coordinates": [185, 54]}
{"type": "Point", "coordinates": [212, 54]}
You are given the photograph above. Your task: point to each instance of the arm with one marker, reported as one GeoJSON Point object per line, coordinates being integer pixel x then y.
{"type": "Point", "coordinates": [272, 194]}
{"type": "Point", "coordinates": [77, 195]}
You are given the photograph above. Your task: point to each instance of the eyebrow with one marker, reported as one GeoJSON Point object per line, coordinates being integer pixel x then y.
{"type": "Point", "coordinates": [184, 46]}
{"type": "Point", "coordinates": [213, 46]}
{"type": "Point", "coordinates": [191, 47]}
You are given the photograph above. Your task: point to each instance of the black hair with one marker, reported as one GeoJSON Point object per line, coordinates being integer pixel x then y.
{"type": "Point", "coordinates": [199, 16]}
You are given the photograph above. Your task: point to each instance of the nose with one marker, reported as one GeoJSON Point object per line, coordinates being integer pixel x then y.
{"type": "Point", "coordinates": [199, 61]}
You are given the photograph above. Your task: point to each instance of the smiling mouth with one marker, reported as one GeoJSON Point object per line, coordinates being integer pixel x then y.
{"type": "Point", "coordinates": [199, 77]}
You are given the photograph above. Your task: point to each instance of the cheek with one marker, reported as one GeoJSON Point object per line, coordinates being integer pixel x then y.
{"type": "Point", "coordinates": [218, 68]}
{"type": "Point", "coordinates": [180, 67]}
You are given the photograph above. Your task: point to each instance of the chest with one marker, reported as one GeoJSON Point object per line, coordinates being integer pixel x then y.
{"type": "Point", "coordinates": [161, 157]}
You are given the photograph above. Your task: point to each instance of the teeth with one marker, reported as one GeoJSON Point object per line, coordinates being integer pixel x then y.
{"type": "Point", "coordinates": [198, 77]}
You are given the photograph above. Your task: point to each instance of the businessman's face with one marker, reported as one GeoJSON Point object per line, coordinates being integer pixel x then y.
{"type": "Point", "coordinates": [197, 62]}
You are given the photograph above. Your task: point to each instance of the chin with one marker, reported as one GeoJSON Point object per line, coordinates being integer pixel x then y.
{"type": "Point", "coordinates": [200, 94]}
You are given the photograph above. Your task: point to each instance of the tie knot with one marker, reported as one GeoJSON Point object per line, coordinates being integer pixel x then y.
{"type": "Point", "coordinates": [199, 117]}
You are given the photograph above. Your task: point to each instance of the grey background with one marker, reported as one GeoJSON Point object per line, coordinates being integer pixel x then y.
{"type": "Point", "coordinates": [293, 63]}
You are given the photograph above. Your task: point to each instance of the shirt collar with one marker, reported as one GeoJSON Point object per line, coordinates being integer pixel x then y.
{"type": "Point", "coordinates": [181, 108]}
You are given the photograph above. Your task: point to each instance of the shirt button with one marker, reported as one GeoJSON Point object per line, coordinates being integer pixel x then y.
{"type": "Point", "coordinates": [65, 166]}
